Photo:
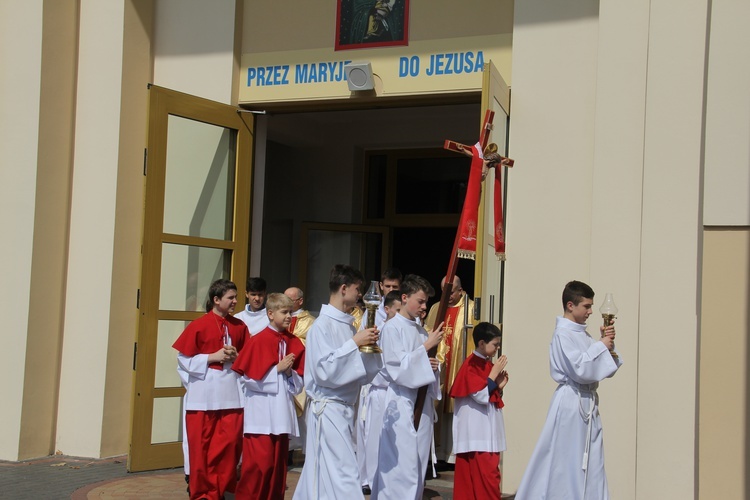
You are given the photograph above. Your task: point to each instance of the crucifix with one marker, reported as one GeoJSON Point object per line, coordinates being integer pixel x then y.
{"type": "Point", "coordinates": [484, 156]}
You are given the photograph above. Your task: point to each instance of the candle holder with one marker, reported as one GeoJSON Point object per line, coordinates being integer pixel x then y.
{"type": "Point", "coordinates": [372, 301]}
{"type": "Point", "coordinates": [608, 310]}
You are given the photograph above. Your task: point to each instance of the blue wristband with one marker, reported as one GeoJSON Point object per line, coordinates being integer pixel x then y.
{"type": "Point", "coordinates": [491, 385]}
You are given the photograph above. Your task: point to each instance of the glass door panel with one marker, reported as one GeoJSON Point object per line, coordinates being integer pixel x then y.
{"type": "Point", "coordinates": [324, 245]}
{"type": "Point", "coordinates": [166, 363]}
{"type": "Point", "coordinates": [199, 187]}
{"type": "Point", "coordinates": [167, 420]}
{"type": "Point", "coordinates": [186, 273]}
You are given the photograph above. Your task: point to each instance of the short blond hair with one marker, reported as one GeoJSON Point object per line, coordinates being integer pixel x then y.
{"type": "Point", "coordinates": [276, 301]}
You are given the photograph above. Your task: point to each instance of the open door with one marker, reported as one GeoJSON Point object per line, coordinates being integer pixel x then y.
{"type": "Point", "coordinates": [196, 227]}
{"type": "Point", "coordinates": [366, 247]}
{"type": "Point", "coordinates": [489, 271]}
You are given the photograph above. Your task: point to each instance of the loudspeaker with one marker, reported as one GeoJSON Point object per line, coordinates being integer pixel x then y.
{"type": "Point", "coordinates": [359, 76]}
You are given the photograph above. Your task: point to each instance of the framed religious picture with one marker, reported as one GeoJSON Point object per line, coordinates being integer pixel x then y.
{"type": "Point", "coordinates": [371, 23]}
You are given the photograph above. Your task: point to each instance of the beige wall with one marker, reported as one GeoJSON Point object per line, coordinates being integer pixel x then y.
{"type": "Point", "coordinates": [193, 47]}
{"type": "Point", "coordinates": [724, 412]}
{"type": "Point", "coordinates": [611, 198]}
{"type": "Point", "coordinates": [49, 257]}
{"type": "Point", "coordinates": [727, 177]}
{"type": "Point", "coordinates": [21, 56]}
{"type": "Point", "coordinates": [92, 218]}
{"type": "Point", "coordinates": [276, 27]}
{"type": "Point", "coordinates": [553, 99]}
{"type": "Point", "coordinates": [669, 294]}
{"type": "Point", "coordinates": [128, 231]}
{"type": "Point", "coordinates": [725, 326]}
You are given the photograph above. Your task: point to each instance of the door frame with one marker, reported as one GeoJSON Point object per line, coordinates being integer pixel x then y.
{"type": "Point", "coordinates": [163, 102]}
{"type": "Point", "coordinates": [496, 97]}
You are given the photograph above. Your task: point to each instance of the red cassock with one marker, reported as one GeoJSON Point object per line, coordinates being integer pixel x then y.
{"type": "Point", "coordinates": [477, 473]}
{"type": "Point", "coordinates": [263, 474]}
{"type": "Point", "coordinates": [214, 436]}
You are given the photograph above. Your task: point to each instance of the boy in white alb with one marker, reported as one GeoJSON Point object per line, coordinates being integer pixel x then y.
{"type": "Point", "coordinates": [213, 402]}
{"type": "Point", "coordinates": [374, 408]}
{"type": "Point", "coordinates": [568, 461]}
{"type": "Point", "coordinates": [404, 451]}
{"type": "Point", "coordinates": [390, 281]}
{"type": "Point", "coordinates": [334, 372]}
{"type": "Point", "coordinates": [272, 367]}
{"type": "Point", "coordinates": [478, 427]}
{"type": "Point", "coordinates": [254, 314]}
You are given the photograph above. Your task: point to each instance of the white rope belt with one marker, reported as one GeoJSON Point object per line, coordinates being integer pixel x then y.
{"type": "Point", "coordinates": [588, 417]}
{"type": "Point", "coordinates": [318, 412]}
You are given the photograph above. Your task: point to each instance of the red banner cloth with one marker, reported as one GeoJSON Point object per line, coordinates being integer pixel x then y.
{"type": "Point", "coordinates": [467, 226]}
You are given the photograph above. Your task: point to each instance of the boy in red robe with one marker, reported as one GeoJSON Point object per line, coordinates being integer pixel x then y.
{"type": "Point", "coordinates": [272, 369]}
{"type": "Point", "coordinates": [213, 402]}
{"type": "Point", "coordinates": [478, 427]}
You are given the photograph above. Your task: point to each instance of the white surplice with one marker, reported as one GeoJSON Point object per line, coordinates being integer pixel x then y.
{"type": "Point", "coordinates": [374, 407]}
{"type": "Point", "coordinates": [256, 321]}
{"type": "Point", "coordinates": [367, 433]}
{"type": "Point", "coordinates": [560, 467]}
{"type": "Point", "coordinates": [404, 452]}
{"type": "Point", "coordinates": [335, 370]}
{"type": "Point", "coordinates": [269, 403]}
{"type": "Point", "coordinates": [478, 423]}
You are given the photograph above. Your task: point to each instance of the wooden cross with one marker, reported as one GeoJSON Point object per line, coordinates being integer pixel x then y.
{"type": "Point", "coordinates": [484, 137]}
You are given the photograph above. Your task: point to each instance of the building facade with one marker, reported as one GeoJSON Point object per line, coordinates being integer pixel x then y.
{"type": "Point", "coordinates": [629, 124]}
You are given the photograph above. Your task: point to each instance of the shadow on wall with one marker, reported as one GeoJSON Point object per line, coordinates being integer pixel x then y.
{"type": "Point", "coordinates": [543, 11]}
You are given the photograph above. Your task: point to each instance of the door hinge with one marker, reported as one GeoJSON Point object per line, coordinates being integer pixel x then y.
{"type": "Point", "coordinates": [138, 299]}
{"type": "Point", "coordinates": [145, 160]}
{"type": "Point", "coordinates": [135, 354]}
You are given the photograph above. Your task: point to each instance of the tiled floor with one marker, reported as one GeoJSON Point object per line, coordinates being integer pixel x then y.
{"type": "Point", "coordinates": [61, 477]}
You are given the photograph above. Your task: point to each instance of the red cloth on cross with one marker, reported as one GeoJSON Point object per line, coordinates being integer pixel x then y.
{"type": "Point", "coordinates": [468, 224]}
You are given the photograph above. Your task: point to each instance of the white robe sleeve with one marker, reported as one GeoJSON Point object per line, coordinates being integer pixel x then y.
{"type": "Point", "coordinates": [434, 390]}
{"type": "Point", "coordinates": [481, 397]}
{"type": "Point", "coordinates": [193, 366]}
{"type": "Point", "coordinates": [269, 384]}
{"type": "Point", "coordinates": [405, 367]}
{"type": "Point", "coordinates": [341, 366]}
{"type": "Point", "coordinates": [582, 366]}
{"type": "Point", "coordinates": [295, 383]}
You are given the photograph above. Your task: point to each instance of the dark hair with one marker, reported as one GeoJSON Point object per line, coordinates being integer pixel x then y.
{"type": "Point", "coordinates": [343, 274]}
{"type": "Point", "coordinates": [391, 297]}
{"type": "Point", "coordinates": [217, 289]}
{"type": "Point", "coordinates": [391, 273]}
{"type": "Point", "coordinates": [575, 291]}
{"type": "Point", "coordinates": [256, 285]}
{"type": "Point", "coordinates": [485, 331]}
{"type": "Point", "coordinates": [413, 284]}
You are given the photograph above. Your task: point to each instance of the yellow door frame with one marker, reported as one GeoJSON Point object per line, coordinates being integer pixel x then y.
{"type": "Point", "coordinates": [162, 103]}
